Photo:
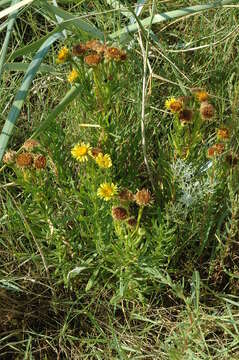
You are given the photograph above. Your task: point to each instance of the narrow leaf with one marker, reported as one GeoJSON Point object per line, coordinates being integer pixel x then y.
{"type": "Point", "coordinates": [23, 91]}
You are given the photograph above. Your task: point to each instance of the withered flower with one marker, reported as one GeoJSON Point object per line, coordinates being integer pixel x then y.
{"type": "Point", "coordinates": [119, 213]}
{"type": "Point", "coordinates": [206, 110]}
{"type": "Point", "coordinates": [92, 59]}
{"type": "Point", "coordinates": [24, 160]}
{"type": "Point", "coordinates": [142, 197]}
{"type": "Point", "coordinates": [185, 116]}
{"type": "Point", "coordinates": [40, 162]}
{"type": "Point", "coordinates": [30, 144]}
{"type": "Point", "coordinates": [9, 157]}
{"type": "Point", "coordinates": [79, 49]}
{"type": "Point", "coordinates": [125, 195]}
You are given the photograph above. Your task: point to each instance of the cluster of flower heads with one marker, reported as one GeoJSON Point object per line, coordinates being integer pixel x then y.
{"type": "Point", "coordinates": [178, 106]}
{"type": "Point", "coordinates": [28, 158]}
{"type": "Point", "coordinates": [92, 53]}
{"type": "Point", "coordinates": [124, 197]}
{"type": "Point", "coordinates": [223, 136]}
{"type": "Point", "coordinates": [82, 152]}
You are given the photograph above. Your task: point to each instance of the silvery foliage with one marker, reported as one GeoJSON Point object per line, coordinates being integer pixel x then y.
{"type": "Point", "coordinates": [192, 187]}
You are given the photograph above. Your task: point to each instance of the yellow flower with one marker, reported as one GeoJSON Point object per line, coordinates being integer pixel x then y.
{"type": "Point", "coordinates": [63, 55]}
{"type": "Point", "coordinates": [73, 76]}
{"type": "Point", "coordinates": [81, 151]}
{"type": "Point", "coordinates": [174, 105]}
{"type": "Point", "coordinates": [106, 191]}
{"type": "Point", "coordinates": [223, 134]}
{"type": "Point", "coordinates": [104, 161]}
{"type": "Point", "coordinates": [201, 95]}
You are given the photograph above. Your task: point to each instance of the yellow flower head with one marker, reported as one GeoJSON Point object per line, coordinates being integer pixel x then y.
{"type": "Point", "coordinates": [104, 161]}
{"type": "Point", "coordinates": [106, 191]}
{"type": "Point", "coordinates": [201, 95]}
{"type": "Point", "coordinates": [73, 76]}
{"type": "Point", "coordinates": [174, 105]}
{"type": "Point", "coordinates": [223, 134]}
{"type": "Point", "coordinates": [81, 151]}
{"type": "Point", "coordinates": [63, 55]}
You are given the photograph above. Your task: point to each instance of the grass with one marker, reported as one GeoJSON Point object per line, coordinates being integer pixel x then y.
{"type": "Point", "coordinates": [76, 283]}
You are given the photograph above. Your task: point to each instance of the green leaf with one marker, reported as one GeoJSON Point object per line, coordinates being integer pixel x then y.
{"type": "Point", "coordinates": [23, 91]}
{"type": "Point", "coordinates": [17, 66]}
{"type": "Point", "coordinates": [70, 20]}
{"type": "Point", "coordinates": [10, 25]}
{"type": "Point", "coordinates": [124, 33]}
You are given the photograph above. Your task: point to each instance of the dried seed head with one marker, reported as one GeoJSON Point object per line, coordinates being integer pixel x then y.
{"type": "Point", "coordinates": [211, 152]}
{"type": "Point", "coordinates": [185, 116]}
{"type": "Point", "coordinates": [219, 148]}
{"type": "Point", "coordinates": [95, 45]}
{"type": "Point", "coordinates": [142, 197]}
{"type": "Point", "coordinates": [206, 110]}
{"type": "Point", "coordinates": [132, 222]}
{"type": "Point", "coordinates": [9, 157]}
{"type": "Point", "coordinates": [24, 160]}
{"type": "Point", "coordinates": [79, 49]}
{"type": "Point", "coordinates": [119, 213]}
{"type": "Point", "coordinates": [96, 151]}
{"type": "Point", "coordinates": [40, 162]}
{"type": "Point", "coordinates": [215, 150]}
{"type": "Point", "coordinates": [125, 195]}
{"type": "Point", "coordinates": [30, 144]}
{"type": "Point", "coordinates": [113, 53]}
{"type": "Point", "coordinates": [92, 60]}
{"type": "Point", "coordinates": [232, 159]}
{"type": "Point", "coordinates": [223, 134]}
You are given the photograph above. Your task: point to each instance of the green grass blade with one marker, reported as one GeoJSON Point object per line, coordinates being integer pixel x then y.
{"type": "Point", "coordinates": [59, 19]}
{"type": "Point", "coordinates": [35, 45]}
{"type": "Point", "coordinates": [83, 25]}
{"type": "Point", "coordinates": [14, 7]}
{"type": "Point", "coordinates": [23, 91]}
{"type": "Point", "coordinates": [68, 98]}
{"type": "Point", "coordinates": [10, 25]}
{"type": "Point", "coordinates": [17, 66]}
{"type": "Point", "coordinates": [4, 2]}
{"type": "Point", "coordinates": [124, 33]}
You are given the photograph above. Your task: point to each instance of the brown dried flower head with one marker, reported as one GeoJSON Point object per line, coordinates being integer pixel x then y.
{"type": "Point", "coordinates": [92, 59]}
{"type": "Point", "coordinates": [30, 144]}
{"type": "Point", "coordinates": [219, 148]}
{"type": "Point", "coordinates": [215, 150]}
{"type": "Point", "coordinates": [211, 152]}
{"type": "Point", "coordinates": [24, 160]}
{"type": "Point", "coordinates": [113, 53]}
{"type": "Point", "coordinates": [119, 213]}
{"type": "Point", "coordinates": [40, 162]}
{"type": "Point", "coordinates": [142, 197]}
{"type": "Point", "coordinates": [232, 159]}
{"type": "Point", "coordinates": [223, 134]}
{"type": "Point", "coordinates": [9, 157]}
{"type": "Point", "coordinates": [96, 151]}
{"type": "Point", "coordinates": [132, 222]}
{"type": "Point", "coordinates": [185, 116]}
{"type": "Point", "coordinates": [79, 49]}
{"type": "Point", "coordinates": [95, 45]}
{"type": "Point", "coordinates": [206, 110]}
{"type": "Point", "coordinates": [125, 195]}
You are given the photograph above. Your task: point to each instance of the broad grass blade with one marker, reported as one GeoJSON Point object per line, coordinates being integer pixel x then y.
{"type": "Point", "coordinates": [83, 25]}
{"type": "Point", "coordinates": [14, 7]}
{"type": "Point", "coordinates": [23, 91]}
{"type": "Point", "coordinates": [10, 25]}
{"type": "Point", "coordinates": [124, 33]}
